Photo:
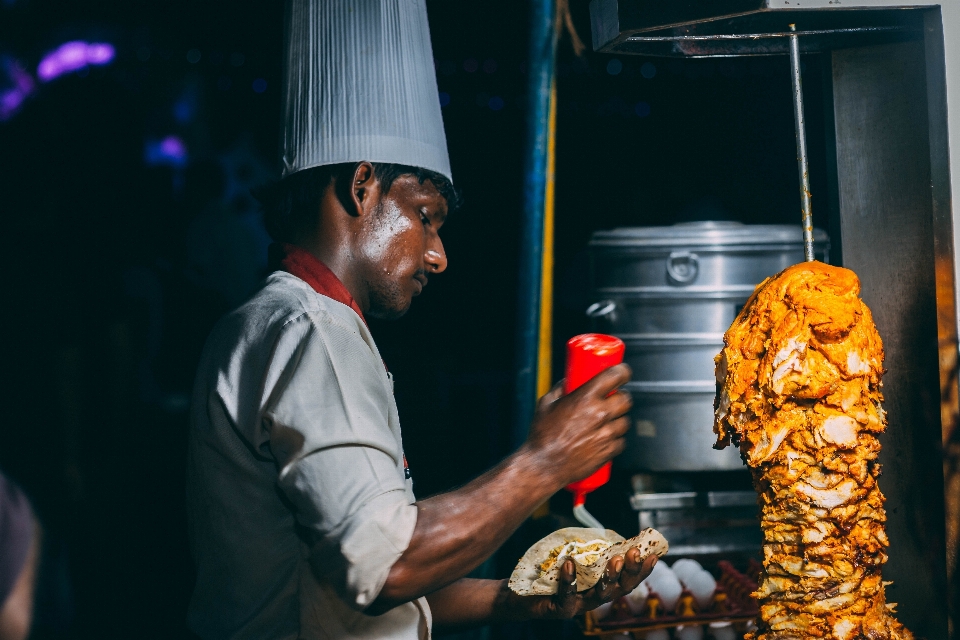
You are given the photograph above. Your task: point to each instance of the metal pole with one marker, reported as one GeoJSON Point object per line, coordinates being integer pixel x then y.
{"type": "Point", "coordinates": [801, 146]}
{"type": "Point", "coordinates": [540, 74]}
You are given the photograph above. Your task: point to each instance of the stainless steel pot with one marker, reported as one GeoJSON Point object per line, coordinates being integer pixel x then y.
{"type": "Point", "coordinates": [671, 357]}
{"type": "Point", "coordinates": [673, 429]}
{"type": "Point", "coordinates": [670, 293]}
{"type": "Point", "coordinates": [664, 310]}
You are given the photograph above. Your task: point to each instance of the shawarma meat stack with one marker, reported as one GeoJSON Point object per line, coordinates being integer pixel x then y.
{"type": "Point", "coordinates": [799, 393]}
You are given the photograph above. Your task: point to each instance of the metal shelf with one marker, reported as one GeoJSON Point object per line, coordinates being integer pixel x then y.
{"type": "Point", "coordinates": [725, 28]}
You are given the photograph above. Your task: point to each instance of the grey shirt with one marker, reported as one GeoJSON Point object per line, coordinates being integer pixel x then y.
{"type": "Point", "coordinates": [297, 498]}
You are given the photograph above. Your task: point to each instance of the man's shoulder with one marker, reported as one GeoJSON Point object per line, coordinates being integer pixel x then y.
{"type": "Point", "coordinates": [284, 298]}
{"type": "Point", "coordinates": [284, 302]}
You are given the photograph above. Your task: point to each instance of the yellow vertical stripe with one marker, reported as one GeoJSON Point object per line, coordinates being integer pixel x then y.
{"type": "Point", "coordinates": [545, 350]}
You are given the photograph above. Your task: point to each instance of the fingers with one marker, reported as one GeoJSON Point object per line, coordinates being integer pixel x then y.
{"type": "Point", "coordinates": [606, 381]}
{"type": "Point", "coordinates": [567, 601]}
{"type": "Point", "coordinates": [608, 585]}
{"type": "Point", "coordinates": [635, 570]}
{"type": "Point", "coordinates": [616, 428]}
{"type": "Point", "coordinates": [612, 435]}
{"type": "Point", "coordinates": [648, 565]}
{"type": "Point", "coordinates": [568, 578]}
{"type": "Point", "coordinates": [551, 396]}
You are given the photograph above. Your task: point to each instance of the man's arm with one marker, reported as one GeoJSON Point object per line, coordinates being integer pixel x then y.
{"type": "Point", "coordinates": [467, 603]}
{"type": "Point", "coordinates": [19, 554]}
{"type": "Point", "coordinates": [455, 532]}
{"type": "Point", "coordinates": [16, 614]}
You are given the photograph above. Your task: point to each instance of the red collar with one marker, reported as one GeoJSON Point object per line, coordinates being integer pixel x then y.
{"type": "Point", "coordinates": [304, 265]}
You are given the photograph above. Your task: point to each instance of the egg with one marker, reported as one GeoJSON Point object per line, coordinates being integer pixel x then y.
{"type": "Point", "coordinates": [657, 634]}
{"type": "Point", "coordinates": [689, 632]}
{"type": "Point", "coordinates": [637, 598]}
{"type": "Point", "coordinates": [664, 583]}
{"type": "Point", "coordinates": [684, 568]}
{"type": "Point", "coordinates": [702, 585]}
{"type": "Point", "coordinates": [723, 631]}
{"type": "Point", "coordinates": [603, 610]}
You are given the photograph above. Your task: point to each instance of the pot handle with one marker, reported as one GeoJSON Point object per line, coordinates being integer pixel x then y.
{"type": "Point", "coordinates": [602, 309]}
{"type": "Point", "coordinates": [682, 267]}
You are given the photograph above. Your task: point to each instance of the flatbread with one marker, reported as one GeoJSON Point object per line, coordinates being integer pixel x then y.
{"type": "Point", "coordinates": [527, 581]}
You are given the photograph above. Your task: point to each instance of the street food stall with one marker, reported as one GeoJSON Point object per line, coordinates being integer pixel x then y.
{"type": "Point", "coordinates": [670, 292]}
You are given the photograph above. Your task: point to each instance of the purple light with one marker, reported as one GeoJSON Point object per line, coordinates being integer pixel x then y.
{"type": "Point", "coordinates": [173, 147]}
{"type": "Point", "coordinates": [10, 101]}
{"type": "Point", "coordinates": [99, 53]}
{"type": "Point", "coordinates": [169, 151]}
{"type": "Point", "coordinates": [73, 56]}
{"type": "Point", "coordinates": [23, 86]}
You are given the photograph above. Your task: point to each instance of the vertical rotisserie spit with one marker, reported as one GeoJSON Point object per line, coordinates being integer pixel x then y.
{"type": "Point", "coordinates": [799, 393]}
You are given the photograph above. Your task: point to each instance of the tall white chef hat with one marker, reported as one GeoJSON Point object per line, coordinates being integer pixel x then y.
{"type": "Point", "coordinates": [360, 85]}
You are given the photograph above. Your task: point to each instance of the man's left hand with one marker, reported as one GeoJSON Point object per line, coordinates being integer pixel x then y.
{"type": "Point", "coordinates": [622, 575]}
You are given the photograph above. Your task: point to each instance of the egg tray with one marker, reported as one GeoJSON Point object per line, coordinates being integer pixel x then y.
{"type": "Point", "coordinates": [731, 602]}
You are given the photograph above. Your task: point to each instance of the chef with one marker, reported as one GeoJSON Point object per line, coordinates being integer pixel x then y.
{"type": "Point", "coordinates": [303, 522]}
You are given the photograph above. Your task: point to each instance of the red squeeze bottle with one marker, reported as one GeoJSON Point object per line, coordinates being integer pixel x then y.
{"type": "Point", "coordinates": [587, 355]}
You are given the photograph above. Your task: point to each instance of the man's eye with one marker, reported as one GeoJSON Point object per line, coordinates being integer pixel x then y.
{"type": "Point", "coordinates": [424, 219]}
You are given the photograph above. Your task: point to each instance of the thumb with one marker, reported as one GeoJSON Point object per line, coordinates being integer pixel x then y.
{"type": "Point", "coordinates": [551, 396]}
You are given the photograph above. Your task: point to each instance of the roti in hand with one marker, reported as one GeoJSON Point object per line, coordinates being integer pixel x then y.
{"type": "Point", "coordinates": [538, 572]}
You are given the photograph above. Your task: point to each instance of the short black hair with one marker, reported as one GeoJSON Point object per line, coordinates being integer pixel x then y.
{"type": "Point", "coordinates": [290, 206]}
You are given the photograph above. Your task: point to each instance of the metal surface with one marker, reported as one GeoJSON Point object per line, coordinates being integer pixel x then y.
{"type": "Point", "coordinates": [673, 429]}
{"type": "Point", "coordinates": [887, 220]}
{"type": "Point", "coordinates": [701, 28]}
{"type": "Point", "coordinates": [793, 33]}
{"type": "Point", "coordinates": [801, 131]}
{"type": "Point", "coordinates": [649, 501]}
{"type": "Point", "coordinates": [943, 30]}
{"type": "Point", "coordinates": [693, 313]}
{"type": "Point", "coordinates": [542, 58]}
{"type": "Point", "coordinates": [670, 293]}
{"type": "Point", "coordinates": [732, 498]}
{"type": "Point", "coordinates": [672, 357]}
{"type": "Point", "coordinates": [698, 523]}
{"type": "Point", "coordinates": [698, 257]}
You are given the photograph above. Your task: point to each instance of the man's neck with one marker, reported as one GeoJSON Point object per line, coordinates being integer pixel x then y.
{"type": "Point", "coordinates": [340, 262]}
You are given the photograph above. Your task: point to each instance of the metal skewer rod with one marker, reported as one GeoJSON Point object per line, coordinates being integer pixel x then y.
{"type": "Point", "coordinates": [801, 145]}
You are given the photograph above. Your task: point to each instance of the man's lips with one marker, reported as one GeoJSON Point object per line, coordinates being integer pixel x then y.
{"type": "Point", "coordinates": [421, 280]}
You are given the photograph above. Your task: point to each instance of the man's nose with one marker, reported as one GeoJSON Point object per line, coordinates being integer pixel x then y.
{"type": "Point", "coordinates": [436, 259]}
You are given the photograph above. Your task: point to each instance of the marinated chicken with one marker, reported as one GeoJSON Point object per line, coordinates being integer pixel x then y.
{"type": "Point", "coordinates": [799, 393]}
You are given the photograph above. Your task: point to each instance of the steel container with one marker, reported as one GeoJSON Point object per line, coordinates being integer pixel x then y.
{"type": "Point", "coordinates": [670, 293]}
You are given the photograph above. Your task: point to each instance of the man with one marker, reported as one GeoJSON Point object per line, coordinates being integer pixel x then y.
{"type": "Point", "coordinates": [19, 553]}
{"type": "Point", "coordinates": [303, 519]}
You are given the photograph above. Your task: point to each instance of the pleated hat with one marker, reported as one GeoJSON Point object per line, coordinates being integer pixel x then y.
{"type": "Point", "coordinates": [359, 84]}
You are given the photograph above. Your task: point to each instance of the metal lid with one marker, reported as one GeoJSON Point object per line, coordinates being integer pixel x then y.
{"type": "Point", "coordinates": [712, 233]}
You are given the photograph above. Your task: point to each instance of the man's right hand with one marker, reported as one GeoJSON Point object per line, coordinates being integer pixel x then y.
{"type": "Point", "coordinates": [571, 437]}
{"type": "Point", "coordinates": [577, 433]}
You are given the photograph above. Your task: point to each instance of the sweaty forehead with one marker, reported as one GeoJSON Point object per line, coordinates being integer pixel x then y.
{"type": "Point", "coordinates": [407, 190]}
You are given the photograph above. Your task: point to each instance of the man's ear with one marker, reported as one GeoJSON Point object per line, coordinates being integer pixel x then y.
{"type": "Point", "coordinates": [364, 190]}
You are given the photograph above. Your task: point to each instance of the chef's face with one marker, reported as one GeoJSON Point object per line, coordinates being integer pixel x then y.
{"type": "Point", "coordinates": [402, 246]}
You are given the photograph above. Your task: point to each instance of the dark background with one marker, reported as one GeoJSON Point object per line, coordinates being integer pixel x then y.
{"type": "Point", "coordinates": [117, 261]}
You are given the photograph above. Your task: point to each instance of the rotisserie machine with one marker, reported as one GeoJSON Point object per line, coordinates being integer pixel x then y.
{"type": "Point", "coordinates": [888, 70]}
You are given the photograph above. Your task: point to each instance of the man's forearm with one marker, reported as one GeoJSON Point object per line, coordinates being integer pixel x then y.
{"type": "Point", "coordinates": [570, 437]}
{"type": "Point", "coordinates": [469, 603]}
{"type": "Point", "coordinates": [457, 531]}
